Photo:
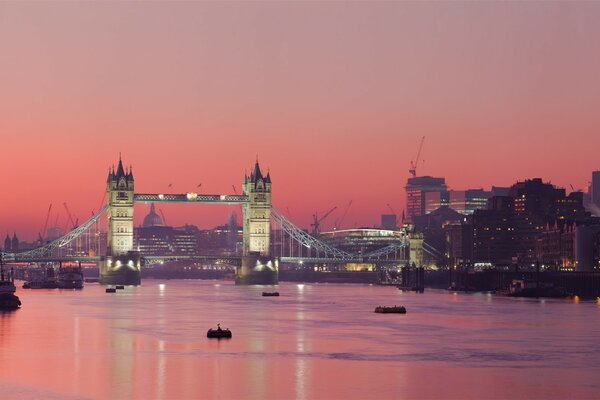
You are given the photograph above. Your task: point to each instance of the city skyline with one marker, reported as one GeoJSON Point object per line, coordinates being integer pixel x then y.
{"type": "Point", "coordinates": [333, 98]}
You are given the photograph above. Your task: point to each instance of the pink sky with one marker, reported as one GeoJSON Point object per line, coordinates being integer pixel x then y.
{"type": "Point", "coordinates": [333, 97]}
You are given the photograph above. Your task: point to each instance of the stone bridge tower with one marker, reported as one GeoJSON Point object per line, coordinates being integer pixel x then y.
{"type": "Point", "coordinates": [122, 264]}
{"type": "Point", "coordinates": [257, 265]}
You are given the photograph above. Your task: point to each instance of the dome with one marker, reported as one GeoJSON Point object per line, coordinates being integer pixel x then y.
{"type": "Point", "coordinates": [152, 219]}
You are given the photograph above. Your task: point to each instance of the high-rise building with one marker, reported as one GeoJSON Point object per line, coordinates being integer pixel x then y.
{"type": "Point", "coordinates": [595, 188]}
{"type": "Point", "coordinates": [416, 189]}
{"type": "Point", "coordinates": [467, 201]}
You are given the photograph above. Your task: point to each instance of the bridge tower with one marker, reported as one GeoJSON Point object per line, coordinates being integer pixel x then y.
{"type": "Point", "coordinates": [122, 263]}
{"type": "Point", "coordinates": [257, 265]}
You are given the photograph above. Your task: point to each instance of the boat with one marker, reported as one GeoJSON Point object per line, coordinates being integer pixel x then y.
{"type": "Point", "coordinates": [219, 333]}
{"type": "Point", "coordinates": [48, 281]}
{"type": "Point", "coordinates": [111, 290]}
{"type": "Point", "coordinates": [268, 294]}
{"type": "Point", "coordinates": [70, 278]}
{"type": "Point", "coordinates": [8, 300]}
{"type": "Point", "coordinates": [535, 289]}
{"type": "Point", "coordinates": [120, 287]}
{"type": "Point", "coordinates": [390, 310]}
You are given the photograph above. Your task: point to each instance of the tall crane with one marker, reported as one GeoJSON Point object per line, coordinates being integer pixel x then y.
{"type": "Point", "coordinates": [73, 224]}
{"type": "Point", "coordinates": [163, 216]}
{"type": "Point", "coordinates": [43, 233]}
{"type": "Point", "coordinates": [391, 209]}
{"type": "Point", "coordinates": [317, 221]}
{"type": "Point", "coordinates": [413, 166]}
{"type": "Point", "coordinates": [339, 221]}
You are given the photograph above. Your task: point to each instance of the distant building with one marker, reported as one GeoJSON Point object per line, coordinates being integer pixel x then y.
{"type": "Point", "coordinates": [389, 221]}
{"type": "Point", "coordinates": [416, 190]}
{"type": "Point", "coordinates": [7, 244]}
{"type": "Point", "coordinates": [432, 226]}
{"type": "Point", "coordinates": [435, 200]}
{"type": "Point", "coordinates": [467, 201]}
{"type": "Point", "coordinates": [153, 238]}
{"type": "Point", "coordinates": [500, 191]}
{"type": "Point", "coordinates": [595, 188]}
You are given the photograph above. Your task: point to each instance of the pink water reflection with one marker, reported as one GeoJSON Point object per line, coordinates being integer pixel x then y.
{"type": "Point", "coordinates": [313, 342]}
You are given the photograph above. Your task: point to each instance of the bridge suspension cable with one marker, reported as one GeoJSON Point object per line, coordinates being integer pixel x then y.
{"type": "Point", "coordinates": [306, 240]}
{"type": "Point", "coordinates": [62, 241]}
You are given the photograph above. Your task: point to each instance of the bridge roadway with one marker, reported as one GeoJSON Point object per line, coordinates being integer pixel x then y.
{"type": "Point", "coordinates": [191, 198]}
{"type": "Point", "coordinates": [236, 260]}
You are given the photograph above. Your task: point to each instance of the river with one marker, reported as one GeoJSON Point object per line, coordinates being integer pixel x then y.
{"type": "Point", "coordinates": [315, 341]}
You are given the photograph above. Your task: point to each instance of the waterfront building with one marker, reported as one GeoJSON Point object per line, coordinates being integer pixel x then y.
{"type": "Point", "coordinates": [362, 240]}
{"type": "Point", "coordinates": [508, 231]}
{"type": "Point", "coordinates": [416, 190]}
{"type": "Point", "coordinates": [459, 243]}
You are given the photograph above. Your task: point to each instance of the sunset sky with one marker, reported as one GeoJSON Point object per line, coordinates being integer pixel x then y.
{"type": "Point", "coordinates": [332, 97]}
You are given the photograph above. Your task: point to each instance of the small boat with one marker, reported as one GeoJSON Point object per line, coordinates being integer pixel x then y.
{"type": "Point", "coordinates": [70, 278]}
{"type": "Point", "coordinates": [268, 294]}
{"type": "Point", "coordinates": [218, 333]}
{"type": "Point", "coordinates": [111, 290]}
{"type": "Point", "coordinates": [120, 287]}
{"type": "Point", "coordinates": [44, 279]}
{"type": "Point", "coordinates": [390, 310]}
{"type": "Point", "coordinates": [8, 300]}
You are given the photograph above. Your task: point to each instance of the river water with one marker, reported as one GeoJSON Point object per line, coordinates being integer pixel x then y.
{"type": "Point", "coordinates": [315, 341]}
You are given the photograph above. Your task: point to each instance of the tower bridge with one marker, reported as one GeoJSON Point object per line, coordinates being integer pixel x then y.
{"type": "Point", "coordinates": [257, 265]}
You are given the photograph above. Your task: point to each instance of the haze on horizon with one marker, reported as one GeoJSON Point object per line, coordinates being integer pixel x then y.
{"type": "Point", "coordinates": [333, 97]}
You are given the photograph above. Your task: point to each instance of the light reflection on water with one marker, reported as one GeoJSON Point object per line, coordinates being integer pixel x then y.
{"type": "Point", "coordinates": [314, 341]}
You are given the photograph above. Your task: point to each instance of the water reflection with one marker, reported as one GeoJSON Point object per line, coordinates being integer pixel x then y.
{"type": "Point", "coordinates": [314, 341]}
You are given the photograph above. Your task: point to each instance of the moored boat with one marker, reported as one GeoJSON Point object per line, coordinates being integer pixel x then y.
{"type": "Point", "coordinates": [390, 310]}
{"type": "Point", "coordinates": [8, 300]}
{"type": "Point", "coordinates": [268, 294]}
{"type": "Point", "coordinates": [70, 278]}
{"type": "Point", "coordinates": [44, 279]}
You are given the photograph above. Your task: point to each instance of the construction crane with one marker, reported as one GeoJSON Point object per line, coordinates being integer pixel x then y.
{"type": "Point", "coordinates": [413, 166]}
{"type": "Point", "coordinates": [391, 209]}
{"type": "Point", "coordinates": [73, 224]}
{"type": "Point", "coordinates": [317, 221]}
{"type": "Point", "coordinates": [43, 233]}
{"type": "Point", "coordinates": [338, 222]}
{"type": "Point", "coordinates": [163, 216]}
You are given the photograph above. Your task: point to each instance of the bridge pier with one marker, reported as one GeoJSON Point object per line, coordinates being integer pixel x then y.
{"type": "Point", "coordinates": [121, 270]}
{"type": "Point", "coordinates": [257, 270]}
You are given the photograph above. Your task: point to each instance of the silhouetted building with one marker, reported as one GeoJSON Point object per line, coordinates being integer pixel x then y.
{"type": "Point", "coordinates": [500, 191]}
{"type": "Point", "coordinates": [432, 226]}
{"type": "Point", "coordinates": [389, 221]}
{"type": "Point", "coordinates": [7, 244]}
{"type": "Point", "coordinates": [508, 231]}
{"type": "Point", "coordinates": [459, 243]}
{"type": "Point", "coordinates": [595, 188]}
{"type": "Point", "coordinates": [416, 189]}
